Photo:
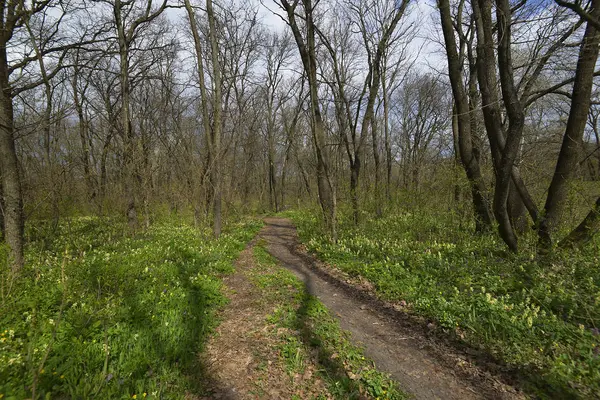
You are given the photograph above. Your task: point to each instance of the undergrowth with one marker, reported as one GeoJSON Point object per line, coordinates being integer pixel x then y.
{"type": "Point", "coordinates": [98, 314]}
{"type": "Point", "coordinates": [540, 316]}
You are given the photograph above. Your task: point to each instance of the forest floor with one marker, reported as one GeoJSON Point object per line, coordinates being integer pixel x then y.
{"type": "Point", "coordinates": [273, 342]}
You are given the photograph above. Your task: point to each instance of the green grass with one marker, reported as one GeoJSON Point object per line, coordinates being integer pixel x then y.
{"type": "Point", "coordinates": [99, 314]}
{"type": "Point", "coordinates": [310, 326]}
{"type": "Point", "coordinates": [538, 315]}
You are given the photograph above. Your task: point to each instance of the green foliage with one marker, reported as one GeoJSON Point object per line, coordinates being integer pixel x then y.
{"type": "Point", "coordinates": [99, 314]}
{"type": "Point", "coordinates": [309, 325]}
{"type": "Point", "coordinates": [538, 315]}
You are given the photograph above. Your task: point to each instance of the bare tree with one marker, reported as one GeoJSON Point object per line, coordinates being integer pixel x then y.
{"type": "Point", "coordinates": [130, 18]}
{"type": "Point", "coordinates": [468, 149]}
{"type": "Point", "coordinates": [377, 24]}
{"type": "Point", "coordinates": [571, 144]}
{"type": "Point", "coordinates": [277, 55]}
{"type": "Point", "coordinates": [423, 114]}
{"type": "Point", "coordinates": [204, 107]}
{"type": "Point", "coordinates": [216, 179]}
{"type": "Point", "coordinates": [15, 19]}
{"type": "Point", "coordinates": [307, 49]}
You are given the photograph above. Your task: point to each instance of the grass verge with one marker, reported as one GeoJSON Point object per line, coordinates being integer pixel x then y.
{"type": "Point", "coordinates": [539, 316]}
{"type": "Point", "coordinates": [96, 314]}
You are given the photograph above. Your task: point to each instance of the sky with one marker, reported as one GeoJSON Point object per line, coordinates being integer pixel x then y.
{"type": "Point", "coordinates": [423, 15]}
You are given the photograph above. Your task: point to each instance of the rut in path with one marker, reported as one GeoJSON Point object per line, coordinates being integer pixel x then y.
{"type": "Point", "coordinates": [412, 359]}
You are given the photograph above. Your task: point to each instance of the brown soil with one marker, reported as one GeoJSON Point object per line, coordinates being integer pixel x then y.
{"type": "Point", "coordinates": [405, 347]}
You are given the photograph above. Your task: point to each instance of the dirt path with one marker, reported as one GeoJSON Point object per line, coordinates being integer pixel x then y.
{"type": "Point", "coordinates": [424, 368]}
{"type": "Point", "coordinates": [242, 360]}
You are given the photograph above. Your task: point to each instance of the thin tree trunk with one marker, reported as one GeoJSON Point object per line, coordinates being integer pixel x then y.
{"type": "Point", "coordinates": [273, 201]}
{"type": "Point", "coordinates": [308, 55]}
{"type": "Point", "coordinates": [2, 228]}
{"type": "Point", "coordinates": [378, 207]}
{"type": "Point", "coordinates": [217, 119]}
{"type": "Point", "coordinates": [387, 139]}
{"type": "Point", "coordinates": [468, 156]}
{"type": "Point", "coordinates": [585, 232]}
{"type": "Point", "coordinates": [455, 134]}
{"type": "Point", "coordinates": [84, 140]}
{"type": "Point", "coordinates": [46, 131]}
{"type": "Point", "coordinates": [571, 145]}
{"type": "Point", "coordinates": [355, 164]}
{"type": "Point", "coordinates": [203, 96]}
{"type": "Point", "coordinates": [129, 154]}
{"type": "Point", "coordinates": [283, 174]}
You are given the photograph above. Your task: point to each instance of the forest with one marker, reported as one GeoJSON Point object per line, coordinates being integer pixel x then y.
{"type": "Point", "coordinates": [320, 199]}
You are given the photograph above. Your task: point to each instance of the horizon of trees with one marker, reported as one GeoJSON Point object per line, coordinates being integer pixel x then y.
{"type": "Point", "coordinates": [116, 107]}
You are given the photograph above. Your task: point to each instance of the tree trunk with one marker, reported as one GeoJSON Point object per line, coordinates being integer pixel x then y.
{"type": "Point", "coordinates": [456, 154]}
{"type": "Point", "coordinates": [309, 61]}
{"type": "Point", "coordinates": [283, 174]}
{"type": "Point", "coordinates": [2, 228]}
{"type": "Point", "coordinates": [387, 139]}
{"type": "Point", "coordinates": [83, 136]}
{"type": "Point", "coordinates": [354, 174]}
{"type": "Point", "coordinates": [468, 154]}
{"type": "Point", "coordinates": [378, 206]}
{"type": "Point", "coordinates": [46, 130]}
{"type": "Point", "coordinates": [517, 211]}
{"type": "Point", "coordinates": [508, 204]}
{"type": "Point", "coordinates": [571, 145]}
{"type": "Point", "coordinates": [217, 119]}
{"type": "Point", "coordinates": [14, 219]}
{"type": "Point", "coordinates": [585, 232]}
{"type": "Point", "coordinates": [129, 153]}
{"type": "Point", "coordinates": [203, 99]}
{"type": "Point", "coordinates": [516, 122]}
{"type": "Point", "coordinates": [273, 200]}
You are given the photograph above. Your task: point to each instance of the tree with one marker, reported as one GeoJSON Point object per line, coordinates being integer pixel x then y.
{"type": "Point", "coordinates": [571, 144]}
{"type": "Point", "coordinates": [469, 152]}
{"type": "Point", "coordinates": [377, 23]}
{"type": "Point", "coordinates": [204, 107]}
{"type": "Point", "coordinates": [423, 112]}
{"type": "Point", "coordinates": [216, 179]}
{"type": "Point", "coordinates": [277, 54]}
{"type": "Point", "coordinates": [307, 49]}
{"type": "Point", "coordinates": [15, 19]}
{"type": "Point", "coordinates": [129, 18]}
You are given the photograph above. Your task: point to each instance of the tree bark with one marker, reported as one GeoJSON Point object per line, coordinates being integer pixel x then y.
{"type": "Point", "coordinates": [83, 136]}
{"type": "Point", "coordinates": [387, 138]}
{"type": "Point", "coordinates": [217, 119]}
{"type": "Point", "coordinates": [14, 219]}
{"type": "Point", "coordinates": [129, 154]}
{"type": "Point", "coordinates": [468, 153]}
{"type": "Point", "coordinates": [2, 228]}
{"type": "Point", "coordinates": [510, 196]}
{"type": "Point", "coordinates": [585, 232]}
{"type": "Point", "coordinates": [203, 95]}
{"type": "Point", "coordinates": [571, 144]}
{"type": "Point", "coordinates": [377, 162]}
{"type": "Point", "coordinates": [309, 61]}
